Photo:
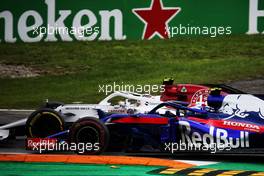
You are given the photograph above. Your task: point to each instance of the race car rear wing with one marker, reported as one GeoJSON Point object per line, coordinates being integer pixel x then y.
{"type": "Point", "coordinates": [226, 88]}
{"type": "Point", "coordinates": [231, 90]}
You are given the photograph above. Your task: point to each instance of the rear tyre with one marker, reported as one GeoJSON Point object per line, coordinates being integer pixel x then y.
{"type": "Point", "coordinates": [43, 123]}
{"type": "Point", "coordinates": [90, 136]}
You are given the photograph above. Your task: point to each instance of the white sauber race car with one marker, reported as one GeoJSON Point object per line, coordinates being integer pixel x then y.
{"type": "Point", "coordinates": [55, 117]}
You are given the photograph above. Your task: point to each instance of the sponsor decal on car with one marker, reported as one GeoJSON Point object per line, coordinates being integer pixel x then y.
{"type": "Point", "coordinates": [234, 125]}
{"type": "Point", "coordinates": [33, 143]}
{"type": "Point", "coordinates": [242, 106]}
{"type": "Point", "coordinates": [245, 126]}
{"type": "Point", "coordinates": [200, 97]}
{"type": "Point", "coordinates": [123, 111]}
{"type": "Point", "coordinates": [214, 135]}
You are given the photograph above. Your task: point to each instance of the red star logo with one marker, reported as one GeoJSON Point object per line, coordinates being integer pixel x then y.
{"type": "Point", "coordinates": [156, 19]}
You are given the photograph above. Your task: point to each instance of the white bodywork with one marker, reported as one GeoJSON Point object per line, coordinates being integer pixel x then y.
{"type": "Point", "coordinates": [131, 103]}
{"type": "Point", "coordinates": [241, 105]}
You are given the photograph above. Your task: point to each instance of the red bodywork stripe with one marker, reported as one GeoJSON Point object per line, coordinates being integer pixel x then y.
{"type": "Point", "coordinates": [230, 125]}
{"type": "Point", "coordinates": [142, 120]}
{"type": "Point", "coordinates": [211, 122]}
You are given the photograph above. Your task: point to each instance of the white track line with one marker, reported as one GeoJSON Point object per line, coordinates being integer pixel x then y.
{"type": "Point", "coordinates": [16, 110]}
{"type": "Point", "coordinates": [198, 163]}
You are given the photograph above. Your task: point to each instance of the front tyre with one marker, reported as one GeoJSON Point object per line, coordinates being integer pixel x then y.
{"type": "Point", "coordinates": [43, 123]}
{"type": "Point", "coordinates": [90, 136]}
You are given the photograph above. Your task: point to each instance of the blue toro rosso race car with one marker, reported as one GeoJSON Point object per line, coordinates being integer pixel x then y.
{"type": "Point", "coordinates": [227, 123]}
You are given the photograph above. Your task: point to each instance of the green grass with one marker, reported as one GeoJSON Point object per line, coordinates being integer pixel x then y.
{"type": "Point", "coordinates": [74, 70]}
{"type": "Point", "coordinates": [62, 169]}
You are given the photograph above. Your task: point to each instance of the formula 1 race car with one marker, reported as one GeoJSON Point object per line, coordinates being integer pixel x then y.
{"type": "Point", "coordinates": [52, 117]}
{"type": "Point", "coordinates": [229, 123]}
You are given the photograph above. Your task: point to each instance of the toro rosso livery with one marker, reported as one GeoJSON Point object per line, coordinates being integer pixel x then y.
{"type": "Point", "coordinates": [237, 129]}
{"type": "Point", "coordinates": [229, 123]}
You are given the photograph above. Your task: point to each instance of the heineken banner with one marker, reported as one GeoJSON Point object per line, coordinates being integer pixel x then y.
{"type": "Point", "coordinates": [87, 20]}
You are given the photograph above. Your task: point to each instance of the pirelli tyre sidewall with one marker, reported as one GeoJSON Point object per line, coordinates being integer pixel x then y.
{"type": "Point", "coordinates": [44, 122]}
{"type": "Point", "coordinates": [90, 131]}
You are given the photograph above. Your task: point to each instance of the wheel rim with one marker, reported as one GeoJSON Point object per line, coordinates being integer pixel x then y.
{"type": "Point", "coordinates": [45, 125]}
{"type": "Point", "coordinates": [88, 135]}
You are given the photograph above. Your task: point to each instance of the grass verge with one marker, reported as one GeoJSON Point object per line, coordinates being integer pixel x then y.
{"type": "Point", "coordinates": [73, 71]}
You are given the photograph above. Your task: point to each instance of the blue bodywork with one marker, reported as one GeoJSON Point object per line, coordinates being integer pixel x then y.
{"type": "Point", "coordinates": [199, 127]}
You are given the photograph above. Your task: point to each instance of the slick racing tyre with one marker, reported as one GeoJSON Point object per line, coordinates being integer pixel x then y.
{"type": "Point", "coordinates": [90, 136]}
{"type": "Point", "coordinates": [43, 123]}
